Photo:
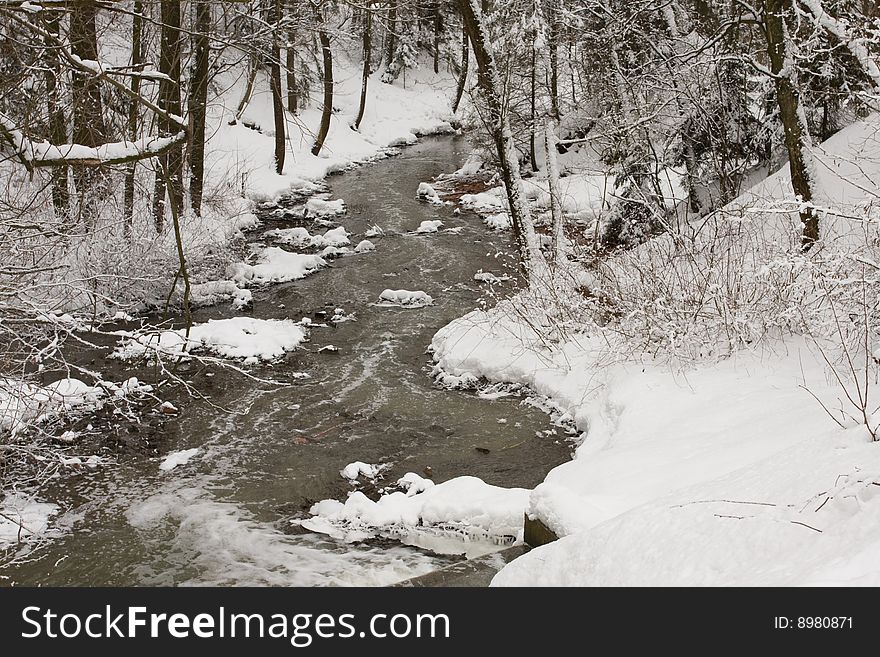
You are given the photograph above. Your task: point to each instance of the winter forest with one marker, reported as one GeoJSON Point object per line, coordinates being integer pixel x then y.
{"type": "Point", "coordinates": [351, 292]}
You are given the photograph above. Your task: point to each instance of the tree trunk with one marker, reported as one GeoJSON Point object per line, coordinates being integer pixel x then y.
{"type": "Point", "coordinates": [327, 109]}
{"type": "Point", "coordinates": [368, 46]}
{"type": "Point", "coordinates": [198, 102]}
{"type": "Point", "coordinates": [290, 65]}
{"type": "Point", "coordinates": [88, 110]}
{"type": "Point", "coordinates": [462, 80]}
{"type": "Point", "coordinates": [275, 84]}
{"type": "Point", "coordinates": [559, 257]}
{"type": "Point", "coordinates": [553, 46]}
{"type": "Point", "coordinates": [57, 120]}
{"type": "Point", "coordinates": [390, 33]}
{"type": "Point", "coordinates": [797, 136]}
{"type": "Point", "coordinates": [532, 124]}
{"type": "Point", "coordinates": [170, 162]}
{"type": "Point", "coordinates": [438, 31]}
{"type": "Point", "coordinates": [498, 125]}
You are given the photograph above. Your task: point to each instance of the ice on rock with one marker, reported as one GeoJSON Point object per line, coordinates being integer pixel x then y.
{"type": "Point", "coordinates": [405, 298]}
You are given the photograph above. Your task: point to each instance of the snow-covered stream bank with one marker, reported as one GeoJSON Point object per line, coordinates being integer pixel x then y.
{"type": "Point", "coordinates": [217, 509]}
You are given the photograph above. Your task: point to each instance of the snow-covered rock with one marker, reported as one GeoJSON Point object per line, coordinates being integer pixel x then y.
{"type": "Point", "coordinates": [237, 337]}
{"type": "Point", "coordinates": [317, 207]}
{"type": "Point", "coordinates": [364, 246]}
{"type": "Point", "coordinates": [275, 265]}
{"type": "Point", "coordinates": [405, 298]}
{"type": "Point", "coordinates": [429, 226]}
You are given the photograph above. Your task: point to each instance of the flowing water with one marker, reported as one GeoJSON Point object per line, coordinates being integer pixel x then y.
{"type": "Point", "coordinates": [269, 452]}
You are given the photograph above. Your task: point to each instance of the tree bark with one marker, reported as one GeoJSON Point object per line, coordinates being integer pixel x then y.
{"type": "Point", "coordinates": [171, 162]}
{"type": "Point", "coordinates": [367, 48]}
{"type": "Point", "coordinates": [327, 109]}
{"type": "Point", "coordinates": [553, 46]}
{"type": "Point", "coordinates": [290, 64]}
{"type": "Point", "coordinates": [390, 33]}
{"type": "Point", "coordinates": [797, 136]}
{"type": "Point", "coordinates": [88, 111]}
{"type": "Point", "coordinates": [532, 124]}
{"type": "Point", "coordinates": [57, 120]}
{"type": "Point", "coordinates": [198, 102]}
{"type": "Point", "coordinates": [438, 31]}
{"type": "Point", "coordinates": [275, 84]}
{"type": "Point", "coordinates": [462, 79]}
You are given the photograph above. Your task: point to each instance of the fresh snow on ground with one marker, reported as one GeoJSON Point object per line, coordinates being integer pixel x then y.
{"type": "Point", "coordinates": [244, 338]}
{"type": "Point", "coordinates": [394, 116]}
{"type": "Point", "coordinates": [405, 298]}
{"type": "Point", "coordinates": [725, 470]}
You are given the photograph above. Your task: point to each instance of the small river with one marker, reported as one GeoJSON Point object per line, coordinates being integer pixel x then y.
{"type": "Point", "coordinates": [269, 452]}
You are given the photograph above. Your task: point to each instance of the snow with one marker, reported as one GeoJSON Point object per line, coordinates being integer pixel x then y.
{"type": "Point", "coordinates": [364, 246]}
{"type": "Point", "coordinates": [175, 459]}
{"type": "Point", "coordinates": [465, 505]}
{"type": "Point", "coordinates": [429, 226]}
{"type": "Point", "coordinates": [333, 237]}
{"type": "Point", "coordinates": [427, 193]}
{"type": "Point", "coordinates": [317, 207]}
{"type": "Point", "coordinates": [275, 265]}
{"type": "Point", "coordinates": [721, 470]}
{"type": "Point", "coordinates": [489, 277]}
{"type": "Point", "coordinates": [405, 298]}
{"type": "Point", "coordinates": [22, 517]}
{"type": "Point", "coordinates": [213, 292]}
{"type": "Point", "coordinates": [360, 469]}
{"type": "Point", "coordinates": [394, 116]}
{"type": "Point", "coordinates": [244, 338]}
{"type": "Point", "coordinates": [296, 237]}
{"type": "Point", "coordinates": [498, 221]}
{"type": "Point", "coordinates": [23, 404]}
{"type": "Point", "coordinates": [374, 231]}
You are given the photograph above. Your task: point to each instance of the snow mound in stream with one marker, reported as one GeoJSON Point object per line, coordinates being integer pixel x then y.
{"type": "Point", "coordinates": [244, 338]}
{"type": "Point", "coordinates": [465, 506]}
{"type": "Point", "coordinates": [275, 265]}
{"type": "Point", "coordinates": [318, 207]}
{"type": "Point", "coordinates": [429, 226]}
{"type": "Point", "coordinates": [405, 298]}
{"type": "Point", "coordinates": [427, 193]}
{"type": "Point", "coordinates": [22, 517]}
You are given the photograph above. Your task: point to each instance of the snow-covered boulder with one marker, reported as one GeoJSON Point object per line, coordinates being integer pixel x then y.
{"type": "Point", "coordinates": [429, 226]}
{"type": "Point", "coordinates": [405, 298]}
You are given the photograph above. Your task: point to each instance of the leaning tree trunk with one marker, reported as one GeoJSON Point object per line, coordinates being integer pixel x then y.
{"type": "Point", "coordinates": [57, 120]}
{"type": "Point", "coordinates": [198, 102]}
{"type": "Point", "coordinates": [365, 78]}
{"type": "Point", "coordinates": [327, 109]}
{"type": "Point", "coordinates": [275, 84]}
{"type": "Point", "coordinates": [462, 80]}
{"type": "Point", "coordinates": [489, 83]}
{"type": "Point", "coordinates": [532, 107]}
{"type": "Point", "coordinates": [169, 178]}
{"type": "Point", "coordinates": [88, 110]}
{"type": "Point", "coordinates": [797, 136]}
